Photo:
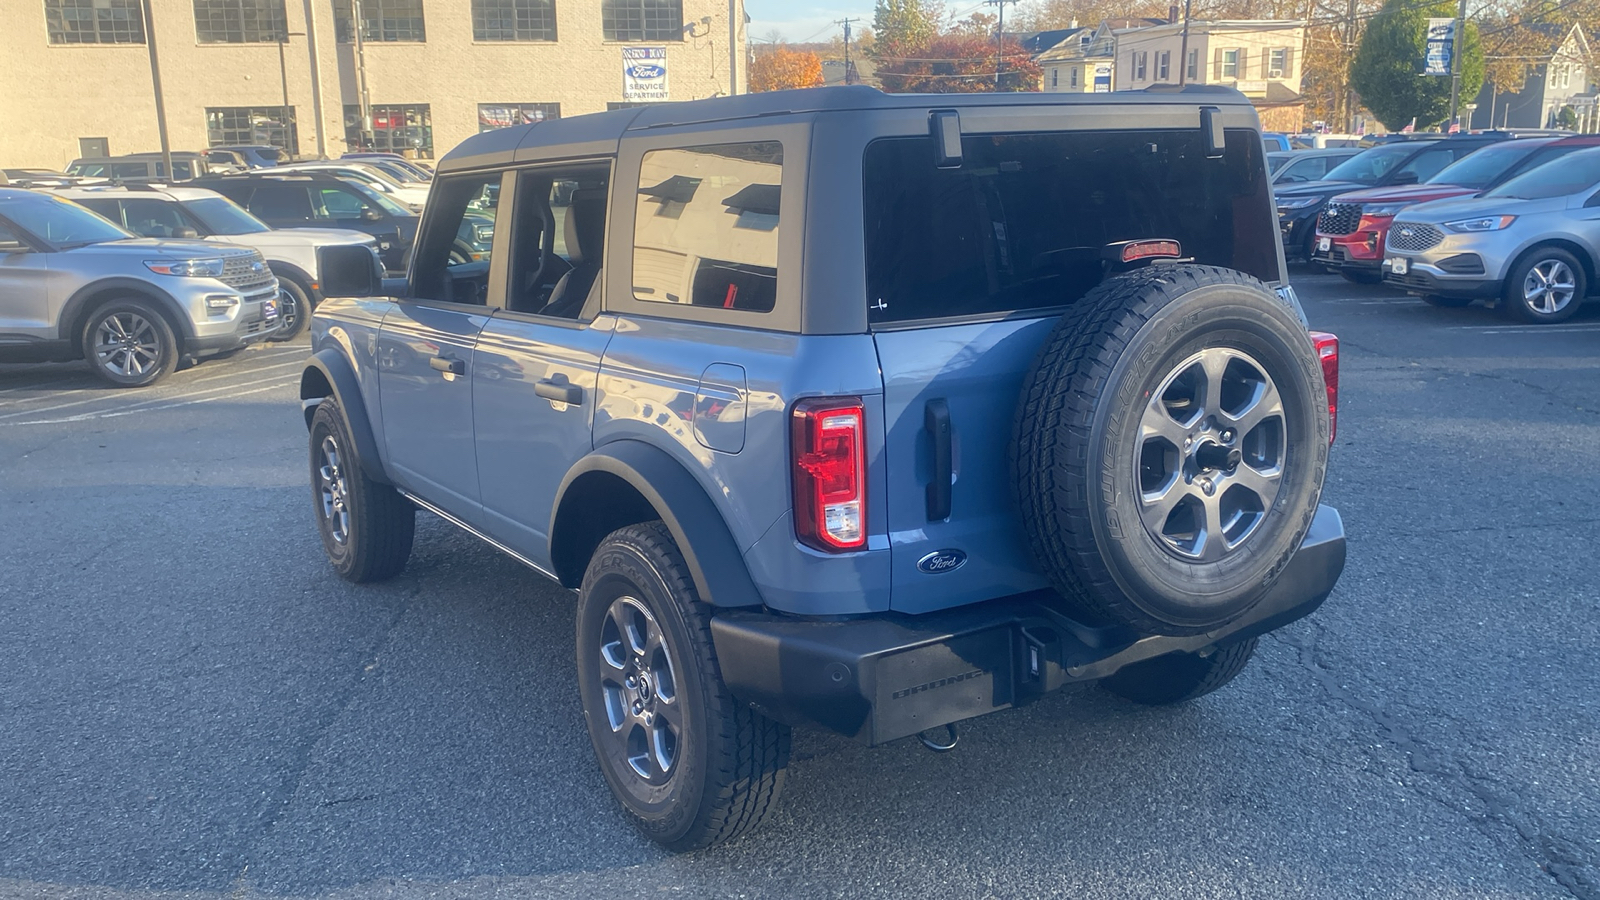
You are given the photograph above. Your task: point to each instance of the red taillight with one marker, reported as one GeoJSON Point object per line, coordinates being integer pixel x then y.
{"type": "Point", "coordinates": [1328, 352]}
{"type": "Point", "coordinates": [830, 469]}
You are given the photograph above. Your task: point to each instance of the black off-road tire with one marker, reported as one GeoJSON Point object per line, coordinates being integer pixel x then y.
{"type": "Point", "coordinates": [372, 540]}
{"type": "Point", "coordinates": [1075, 447]}
{"type": "Point", "coordinates": [1513, 303]}
{"type": "Point", "coordinates": [294, 309]}
{"type": "Point", "coordinates": [1447, 302]}
{"type": "Point", "coordinates": [1180, 677]}
{"type": "Point", "coordinates": [731, 761]}
{"type": "Point", "coordinates": [159, 351]}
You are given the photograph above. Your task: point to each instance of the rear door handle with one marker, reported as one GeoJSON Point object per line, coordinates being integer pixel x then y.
{"type": "Point", "coordinates": [560, 390]}
{"type": "Point", "coordinates": [936, 421]}
{"type": "Point", "coordinates": [448, 365]}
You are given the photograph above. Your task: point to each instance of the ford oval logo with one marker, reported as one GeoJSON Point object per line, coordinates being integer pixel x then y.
{"type": "Point", "coordinates": [1407, 232]}
{"type": "Point", "coordinates": [942, 561]}
{"type": "Point", "coordinates": [646, 70]}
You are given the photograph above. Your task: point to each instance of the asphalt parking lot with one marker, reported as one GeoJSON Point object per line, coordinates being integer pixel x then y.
{"type": "Point", "coordinates": [192, 705]}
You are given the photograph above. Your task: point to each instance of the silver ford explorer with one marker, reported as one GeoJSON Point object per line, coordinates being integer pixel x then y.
{"type": "Point", "coordinates": [73, 285]}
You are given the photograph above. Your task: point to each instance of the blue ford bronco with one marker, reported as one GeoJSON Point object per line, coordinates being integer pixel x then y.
{"type": "Point", "coordinates": [837, 408]}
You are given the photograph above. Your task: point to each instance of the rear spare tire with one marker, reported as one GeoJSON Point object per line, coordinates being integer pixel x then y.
{"type": "Point", "coordinates": [1169, 448]}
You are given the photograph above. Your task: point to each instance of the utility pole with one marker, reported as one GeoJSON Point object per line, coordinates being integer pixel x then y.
{"type": "Point", "coordinates": [1455, 64]}
{"type": "Point", "coordinates": [999, 38]}
{"type": "Point", "coordinates": [1183, 49]}
{"type": "Point", "coordinates": [283, 74]}
{"type": "Point", "coordinates": [733, 47]}
{"type": "Point", "coordinates": [316, 83]}
{"type": "Point", "coordinates": [1349, 49]}
{"type": "Point", "coordinates": [847, 71]}
{"type": "Point", "coordinates": [155, 80]}
{"type": "Point", "coordinates": [368, 143]}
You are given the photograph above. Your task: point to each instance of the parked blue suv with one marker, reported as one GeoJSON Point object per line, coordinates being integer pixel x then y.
{"type": "Point", "coordinates": [846, 409]}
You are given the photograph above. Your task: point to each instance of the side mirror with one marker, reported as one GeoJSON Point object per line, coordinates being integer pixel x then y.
{"type": "Point", "coordinates": [189, 233]}
{"type": "Point", "coordinates": [371, 215]}
{"type": "Point", "coordinates": [351, 270]}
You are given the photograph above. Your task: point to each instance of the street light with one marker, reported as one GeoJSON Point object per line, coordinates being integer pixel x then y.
{"type": "Point", "coordinates": [283, 73]}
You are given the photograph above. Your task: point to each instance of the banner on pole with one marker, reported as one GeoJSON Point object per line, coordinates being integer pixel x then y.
{"type": "Point", "coordinates": [644, 74]}
{"type": "Point", "coordinates": [1441, 44]}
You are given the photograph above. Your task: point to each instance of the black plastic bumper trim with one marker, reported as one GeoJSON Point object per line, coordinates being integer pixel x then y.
{"type": "Point", "coordinates": [889, 676]}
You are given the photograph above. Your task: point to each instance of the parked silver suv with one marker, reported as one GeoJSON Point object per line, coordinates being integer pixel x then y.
{"type": "Point", "coordinates": [74, 285]}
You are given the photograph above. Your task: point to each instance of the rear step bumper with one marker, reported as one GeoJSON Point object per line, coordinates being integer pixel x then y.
{"type": "Point", "coordinates": [893, 675]}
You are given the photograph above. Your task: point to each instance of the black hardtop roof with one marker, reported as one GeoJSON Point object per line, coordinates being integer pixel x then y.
{"type": "Point", "coordinates": [582, 133]}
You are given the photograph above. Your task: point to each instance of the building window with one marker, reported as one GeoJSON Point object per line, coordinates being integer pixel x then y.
{"type": "Point", "coordinates": [504, 115]}
{"type": "Point", "coordinates": [404, 128]}
{"type": "Point", "coordinates": [239, 21]}
{"type": "Point", "coordinates": [1072, 77]}
{"type": "Point", "coordinates": [239, 126]}
{"type": "Point", "coordinates": [1230, 64]}
{"type": "Point", "coordinates": [642, 20]}
{"type": "Point", "coordinates": [1055, 77]}
{"type": "Point", "coordinates": [381, 20]}
{"type": "Point", "coordinates": [1278, 63]}
{"type": "Point", "coordinates": [1193, 65]}
{"type": "Point", "coordinates": [1140, 61]}
{"type": "Point", "coordinates": [1163, 65]}
{"type": "Point", "coordinates": [513, 20]}
{"type": "Point", "coordinates": [94, 21]}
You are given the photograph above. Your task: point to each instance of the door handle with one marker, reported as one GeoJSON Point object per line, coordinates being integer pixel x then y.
{"type": "Point", "coordinates": [448, 365]}
{"type": "Point", "coordinates": [560, 390]}
{"type": "Point", "coordinates": [936, 421]}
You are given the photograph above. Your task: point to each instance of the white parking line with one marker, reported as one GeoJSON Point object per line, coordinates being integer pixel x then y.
{"type": "Point", "coordinates": [41, 410]}
{"type": "Point", "coordinates": [85, 417]}
{"type": "Point", "coordinates": [1533, 329]}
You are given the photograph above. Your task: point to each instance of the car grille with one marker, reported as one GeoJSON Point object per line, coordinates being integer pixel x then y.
{"type": "Point", "coordinates": [1339, 218]}
{"type": "Point", "coordinates": [1410, 280]}
{"type": "Point", "coordinates": [1413, 237]}
{"type": "Point", "coordinates": [240, 272]}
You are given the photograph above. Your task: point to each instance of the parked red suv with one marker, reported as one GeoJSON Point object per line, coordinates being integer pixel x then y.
{"type": "Point", "coordinates": [1352, 228]}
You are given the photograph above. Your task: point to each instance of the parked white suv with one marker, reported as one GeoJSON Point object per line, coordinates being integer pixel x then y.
{"type": "Point", "coordinates": [185, 212]}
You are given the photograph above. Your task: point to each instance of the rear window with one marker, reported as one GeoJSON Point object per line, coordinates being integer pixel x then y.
{"type": "Point", "coordinates": [1024, 222]}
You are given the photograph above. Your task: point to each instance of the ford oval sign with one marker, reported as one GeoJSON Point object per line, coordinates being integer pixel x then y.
{"type": "Point", "coordinates": [941, 561]}
{"type": "Point", "coordinates": [645, 70]}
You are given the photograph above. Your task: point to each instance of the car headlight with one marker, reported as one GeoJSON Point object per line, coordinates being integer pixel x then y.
{"type": "Point", "coordinates": [1486, 223]}
{"type": "Point", "coordinates": [1297, 202]}
{"type": "Point", "coordinates": [1382, 209]}
{"type": "Point", "coordinates": [483, 234]}
{"type": "Point", "coordinates": [186, 268]}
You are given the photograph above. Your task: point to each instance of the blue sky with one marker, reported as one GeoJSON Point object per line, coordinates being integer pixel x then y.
{"type": "Point", "coordinates": [799, 21]}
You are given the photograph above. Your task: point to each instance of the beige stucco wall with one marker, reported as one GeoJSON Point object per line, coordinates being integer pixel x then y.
{"type": "Point", "coordinates": [1253, 40]}
{"type": "Point", "coordinates": [55, 94]}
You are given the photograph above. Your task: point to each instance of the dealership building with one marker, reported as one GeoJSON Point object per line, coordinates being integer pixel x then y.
{"type": "Point", "coordinates": [417, 76]}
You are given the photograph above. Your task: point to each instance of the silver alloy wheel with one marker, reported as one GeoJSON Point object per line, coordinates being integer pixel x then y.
{"type": "Point", "coordinates": [334, 491]}
{"type": "Point", "coordinates": [1549, 286]}
{"type": "Point", "coordinates": [126, 344]}
{"type": "Point", "coordinates": [640, 690]}
{"type": "Point", "coordinates": [288, 310]}
{"type": "Point", "coordinates": [1210, 454]}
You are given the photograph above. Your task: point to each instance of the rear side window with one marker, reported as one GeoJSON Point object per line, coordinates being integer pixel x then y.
{"type": "Point", "coordinates": [1024, 222]}
{"type": "Point", "coordinates": [281, 202]}
{"type": "Point", "coordinates": [706, 229]}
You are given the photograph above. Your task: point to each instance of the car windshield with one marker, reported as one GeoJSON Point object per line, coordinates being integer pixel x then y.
{"type": "Point", "coordinates": [222, 216]}
{"type": "Point", "coordinates": [60, 222]}
{"type": "Point", "coordinates": [1370, 166]}
{"type": "Point", "coordinates": [1481, 169]}
{"type": "Point", "coordinates": [1577, 172]}
{"type": "Point", "coordinates": [379, 200]}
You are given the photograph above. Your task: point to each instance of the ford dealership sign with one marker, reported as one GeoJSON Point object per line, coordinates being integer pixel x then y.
{"type": "Point", "coordinates": [644, 74]}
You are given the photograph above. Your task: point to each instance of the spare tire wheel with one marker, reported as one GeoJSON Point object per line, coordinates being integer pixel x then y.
{"type": "Point", "coordinates": [1169, 448]}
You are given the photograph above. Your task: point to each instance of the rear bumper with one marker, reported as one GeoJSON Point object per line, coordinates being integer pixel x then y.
{"type": "Point", "coordinates": [889, 676]}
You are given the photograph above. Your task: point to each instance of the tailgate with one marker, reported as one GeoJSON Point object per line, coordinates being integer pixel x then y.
{"type": "Point", "coordinates": [974, 373]}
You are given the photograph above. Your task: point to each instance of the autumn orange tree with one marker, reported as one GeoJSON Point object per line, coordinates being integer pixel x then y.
{"type": "Point", "coordinates": [959, 63]}
{"type": "Point", "coordinates": [781, 69]}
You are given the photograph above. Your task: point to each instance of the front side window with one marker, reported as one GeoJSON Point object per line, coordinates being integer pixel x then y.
{"type": "Point", "coordinates": [381, 20]}
{"type": "Point", "coordinates": [642, 20]}
{"type": "Point", "coordinates": [1026, 221]}
{"type": "Point", "coordinates": [60, 222]}
{"type": "Point", "coordinates": [513, 20]}
{"type": "Point", "coordinates": [706, 226]}
{"type": "Point", "coordinates": [153, 218]}
{"type": "Point", "coordinates": [404, 128]}
{"type": "Point", "coordinates": [94, 21]}
{"type": "Point", "coordinates": [459, 233]}
{"type": "Point", "coordinates": [233, 126]}
{"type": "Point", "coordinates": [239, 21]}
{"type": "Point", "coordinates": [504, 115]}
